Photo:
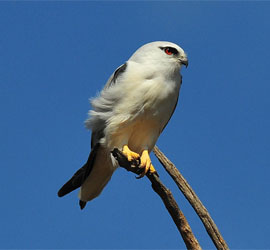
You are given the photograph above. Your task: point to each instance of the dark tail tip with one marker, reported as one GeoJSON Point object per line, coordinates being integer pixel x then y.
{"type": "Point", "coordinates": [82, 204]}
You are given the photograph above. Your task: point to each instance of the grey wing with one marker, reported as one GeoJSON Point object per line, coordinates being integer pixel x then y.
{"type": "Point", "coordinates": [113, 78]}
{"type": "Point", "coordinates": [98, 134]}
{"type": "Point", "coordinates": [81, 175]}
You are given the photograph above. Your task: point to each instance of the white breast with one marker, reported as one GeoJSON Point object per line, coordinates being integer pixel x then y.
{"type": "Point", "coordinates": [143, 112]}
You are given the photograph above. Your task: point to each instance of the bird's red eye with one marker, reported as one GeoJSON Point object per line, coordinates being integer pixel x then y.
{"type": "Point", "coordinates": [168, 51]}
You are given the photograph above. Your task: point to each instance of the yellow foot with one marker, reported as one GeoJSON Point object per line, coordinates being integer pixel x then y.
{"type": "Point", "coordinates": [131, 156]}
{"type": "Point", "coordinates": [146, 164]}
{"type": "Point", "coordinates": [152, 169]}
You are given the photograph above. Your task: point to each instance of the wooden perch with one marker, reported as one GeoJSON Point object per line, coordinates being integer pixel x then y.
{"type": "Point", "coordinates": [193, 199]}
{"type": "Point", "coordinates": [167, 198]}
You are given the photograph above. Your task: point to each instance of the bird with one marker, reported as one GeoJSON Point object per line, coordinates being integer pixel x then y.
{"type": "Point", "coordinates": [129, 114]}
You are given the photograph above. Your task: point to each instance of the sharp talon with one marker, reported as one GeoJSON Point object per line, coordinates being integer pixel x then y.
{"type": "Point", "coordinates": [131, 156]}
{"type": "Point", "coordinates": [144, 161]}
{"type": "Point", "coordinates": [145, 164]}
{"type": "Point", "coordinates": [156, 173]}
{"type": "Point", "coordinates": [138, 177]}
{"type": "Point", "coordinates": [152, 169]}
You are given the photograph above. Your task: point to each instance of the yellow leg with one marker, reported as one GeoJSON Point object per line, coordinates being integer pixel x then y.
{"type": "Point", "coordinates": [130, 154]}
{"type": "Point", "coordinates": [152, 169]}
{"type": "Point", "coordinates": [146, 163]}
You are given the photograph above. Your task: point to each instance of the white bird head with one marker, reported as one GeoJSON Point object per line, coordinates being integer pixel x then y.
{"type": "Point", "coordinates": [162, 53]}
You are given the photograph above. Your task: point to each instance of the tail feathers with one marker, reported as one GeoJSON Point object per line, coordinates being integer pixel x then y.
{"type": "Point", "coordinates": [79, 177]}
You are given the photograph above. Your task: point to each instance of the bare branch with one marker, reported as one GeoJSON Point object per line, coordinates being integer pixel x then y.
{"type": "Point", "coordinates": [193, 199]}
{"type": "Point", "coordinates": [167, 198]}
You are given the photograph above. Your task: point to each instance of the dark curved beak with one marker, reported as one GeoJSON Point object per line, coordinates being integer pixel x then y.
{"type": "Point", "coordinates": [185, 62]}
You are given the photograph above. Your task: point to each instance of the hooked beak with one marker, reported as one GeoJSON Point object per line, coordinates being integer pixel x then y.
{"type": "Point", "coordinates": [184, 61]}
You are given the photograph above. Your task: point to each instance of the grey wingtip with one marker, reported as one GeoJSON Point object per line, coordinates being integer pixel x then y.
{"type": "Point", "coordinates": [82, 204]}
{"type": "Point", "coordinates": [66, 188]}
{"type": "Point", "coordinates": [59, 194]}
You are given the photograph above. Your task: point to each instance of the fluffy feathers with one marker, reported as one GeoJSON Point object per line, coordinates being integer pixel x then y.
{"type": "Point", "coordinates": [132, 109]}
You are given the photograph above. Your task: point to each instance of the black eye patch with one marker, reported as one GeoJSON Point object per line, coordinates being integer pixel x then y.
{"type": "Point", "coordinates": [169, 50]}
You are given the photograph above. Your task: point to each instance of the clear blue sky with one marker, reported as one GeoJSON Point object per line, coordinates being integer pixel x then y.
{"type": "Point", "coordinates": [56, 55]}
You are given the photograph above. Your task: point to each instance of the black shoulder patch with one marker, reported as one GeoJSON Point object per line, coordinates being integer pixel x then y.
{"type": "Point", "coordinates": [118, 72]}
